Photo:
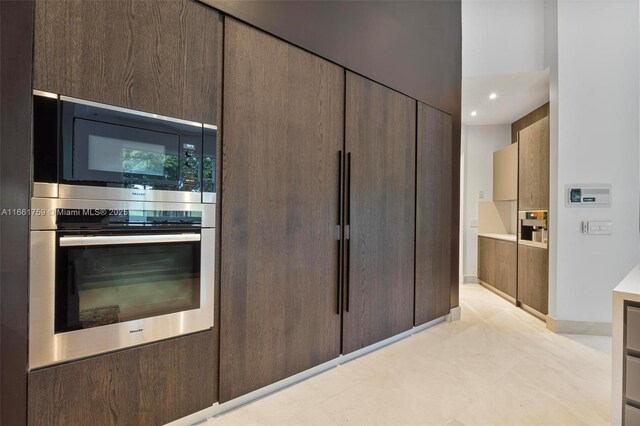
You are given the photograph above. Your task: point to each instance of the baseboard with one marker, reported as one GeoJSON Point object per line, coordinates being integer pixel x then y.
{"type": "Point", "coordinates": [498, 292]}
{"type": "Point", "coordinates": [470, 279]}
{"type": "Point", "coordinates": [219, 409]}
{"type": "Point", "coordinates": [578, 327]}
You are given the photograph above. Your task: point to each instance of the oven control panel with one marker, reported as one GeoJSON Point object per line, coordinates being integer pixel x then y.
{"type": "Point", "coordinates": [190, 166]}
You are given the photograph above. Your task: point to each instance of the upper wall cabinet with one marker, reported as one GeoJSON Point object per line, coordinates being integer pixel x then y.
{"type": "Point", "coordinates": [505, 174]}
{"type": "Point", "coordinates": [533, 167]}
{"type": "Point", "coordinates": [155, 56]}
{"type": "Point", "coordinates": [433, 214]}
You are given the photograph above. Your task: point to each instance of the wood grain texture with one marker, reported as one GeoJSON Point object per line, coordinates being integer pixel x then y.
{"type": "Point", "coordinates": [486, 260]}
{"type": "Point", "coordinates": [148, 385]}
{"type": "Point", "coordinates": [433, 214]}
{"type": "Point", "coordinates": [506, 264]}
{"type": "Point", "coordinates": [283, 129]}
{"type": "Point", "coordinates": [381, 136]}
{"type": "Point", "coordinates": [497, 264]}
{"type": "Point", "coordinates": [526, 121]}
{"type": "Point", "coordinates": [533, 167]}
{"type": "Point", "coordinates": [533, 277]}
{"type": "Point", "coordinates": [156, 56]}
{"type": "Point", "coordinates": [16, 40]}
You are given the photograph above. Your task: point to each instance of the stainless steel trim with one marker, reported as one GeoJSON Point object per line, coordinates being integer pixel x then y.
{"type": "Point", "coordinates": [210, 126]}
{"type": "Point", "coordinates": [209, 197]}
{"type": "Point", "coordinates": [129, 111]}
{"type": "Point", "coordinates": [45, 94]}
{"type": "Point", "coordinates": [44, 209]}
{"type": "Point", "coordinates": [105, 240]}
{"type": "Point", "coordinates": [47, 347]}
{"type": "Point", "coordinates": [127, 194]}
{"type": "Point", "coordinates": [45, 190]}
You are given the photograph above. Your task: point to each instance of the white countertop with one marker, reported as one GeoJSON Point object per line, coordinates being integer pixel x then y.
{"type": "Point", "coordinates": [629, 287]}
{"type": "Point", "coordinates": [506, 237]}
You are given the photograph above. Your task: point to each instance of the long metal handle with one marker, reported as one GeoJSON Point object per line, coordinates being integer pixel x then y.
{"type": "Point", "coordinates": [339, 227]}
{"type": "Point", "coordinates": [347, 235]}
{"type": "Point", "coordinates": [106, 240]}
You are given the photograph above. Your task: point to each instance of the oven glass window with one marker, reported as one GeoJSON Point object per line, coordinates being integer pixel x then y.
{"type": "Point", "coordinates": [102, 285]}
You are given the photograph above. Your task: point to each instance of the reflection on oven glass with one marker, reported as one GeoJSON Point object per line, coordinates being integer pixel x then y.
{"type": "Point", "coordinates": [111, 284]}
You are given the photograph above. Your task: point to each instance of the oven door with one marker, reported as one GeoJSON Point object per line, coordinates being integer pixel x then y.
{"type": "Point", "coordinates": [94, 294]}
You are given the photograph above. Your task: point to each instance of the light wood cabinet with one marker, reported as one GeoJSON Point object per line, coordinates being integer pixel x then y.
{"type": "Point", "coordinates": [533, 166]}
{"type": "Point", "coordinates": [505, 174]}
{"type": "Point", "coordinates": [497, 263]}
{"type": "Point", "coordinates": [533, 277]}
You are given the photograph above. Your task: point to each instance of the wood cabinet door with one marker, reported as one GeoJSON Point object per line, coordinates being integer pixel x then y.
{"type": "Point", "coordinates": [155, 56]}
{"type": "Point", "coordinates": [149, 385]}
{"type": "Point", "coordinates": [533, 277]}
{"type": "Point", "coordinates": [433, 214]}
{"type": "Point", "coordinates": [506, 263]}
{"type": "Point", "coordinates": [380, 142]}
{"type": "Point", "coordinates": [533, 166]}
{"type": "Point", "coordinates": [486, 260]}
{"type": "Point", "coordinates": [283, 131]}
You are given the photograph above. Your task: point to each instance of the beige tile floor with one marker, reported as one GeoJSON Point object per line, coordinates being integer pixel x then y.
{"type": "Point", "coordinates": [496, 366]}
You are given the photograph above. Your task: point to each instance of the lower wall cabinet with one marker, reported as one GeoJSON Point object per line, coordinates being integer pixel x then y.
{"type": "Point", "coordinates": [148, 385]}
{"type": "Point", "coordinates": [497, 263]}
{"type": "Point", "coordinates": [533, 277]}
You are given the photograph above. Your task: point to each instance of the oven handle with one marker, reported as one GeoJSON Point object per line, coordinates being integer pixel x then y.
{"type": "Point", "coordinates": [106, 240]}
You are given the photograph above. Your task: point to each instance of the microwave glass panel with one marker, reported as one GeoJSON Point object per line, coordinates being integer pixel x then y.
{"type": "Point", "coordinates": [102, 285]}
{"type": "Point", "coordinates": [125, 156]}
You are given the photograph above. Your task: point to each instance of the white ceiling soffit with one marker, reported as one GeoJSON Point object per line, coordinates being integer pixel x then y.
{"type": "Point", "coordinates": [517, 95]}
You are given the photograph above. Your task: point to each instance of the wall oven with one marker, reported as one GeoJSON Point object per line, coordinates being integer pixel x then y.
{"type": "Point", "coordinates": [88, 150]}
{"type": "Point", "coordinates": [106, 275]}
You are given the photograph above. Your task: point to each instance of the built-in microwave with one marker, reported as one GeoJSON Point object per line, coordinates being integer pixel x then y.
{"type": "Point", "coordinates": [88, 150]}
{"type": "Point", "coordinates": [107, 275]}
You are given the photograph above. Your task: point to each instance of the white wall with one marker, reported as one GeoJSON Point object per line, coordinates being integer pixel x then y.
{"type": "Point", "coordinates": [598, 134]}
{"type": "Point", "coordinates": [502, 36]}
{"type": "Point", "coordinates": [478, 146]}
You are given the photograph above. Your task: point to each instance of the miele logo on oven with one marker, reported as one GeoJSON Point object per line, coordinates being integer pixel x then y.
{"type": "Point", "coordinates": [135, 331]}
{"type": "Point", "coordinates": [139, 193]}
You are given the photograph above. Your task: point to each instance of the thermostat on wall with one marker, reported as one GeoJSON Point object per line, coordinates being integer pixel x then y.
{"type": "Point", "coordinates": [589, 195]}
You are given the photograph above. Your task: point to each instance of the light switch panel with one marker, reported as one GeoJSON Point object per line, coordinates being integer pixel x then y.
{"type": "Point", "coordinates": [598, 228]}
{"type": "Point", "coordinates": [474, 223]}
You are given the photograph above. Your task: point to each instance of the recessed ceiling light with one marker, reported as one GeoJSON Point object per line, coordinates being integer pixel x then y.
{"type": "Point", "coordinates": [493, 96]}
{"type": "Point", "coordinates": [474, 113]}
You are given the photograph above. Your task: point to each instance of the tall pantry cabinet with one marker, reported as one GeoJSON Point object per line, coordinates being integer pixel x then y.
{"type": "Point", "coordinates": [283, 130]}
{"type": "Point", "coordinates": [380, 213]}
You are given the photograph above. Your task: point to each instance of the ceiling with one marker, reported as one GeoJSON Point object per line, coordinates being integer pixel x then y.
{"type": "Point", "coordinates": [517, 95]}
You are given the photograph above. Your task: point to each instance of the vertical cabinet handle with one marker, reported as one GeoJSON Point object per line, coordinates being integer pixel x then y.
{"type": "Point", "coordinates": [347, 234]}
{"type": "Point", "coordinates": [339, 230]}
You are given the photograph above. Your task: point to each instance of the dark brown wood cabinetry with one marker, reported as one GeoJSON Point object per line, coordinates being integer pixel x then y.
{"type": "Point", "coordinates": [433, 214]}
{"type": "Point", "coordinates": [380, 142]}
{"type": "Point", "coordinates": [497, 264]}
{"type": "Point", "coordinates": [150, 385]}
{"type": "Point", "coordinates": [533, 166]}
{"type": "Point", "coordinates": [155, 56]}
{"type": "Point", "coordinates": [283, 131]}
{"type": "Point", "coordinates": [533, 277]}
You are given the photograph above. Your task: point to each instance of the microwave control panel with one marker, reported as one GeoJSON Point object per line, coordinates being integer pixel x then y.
{"type": "Point", "coordinates": [588, 195]}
